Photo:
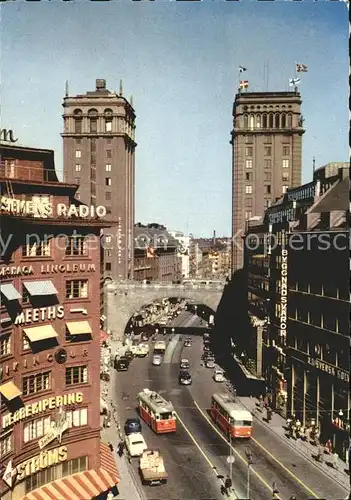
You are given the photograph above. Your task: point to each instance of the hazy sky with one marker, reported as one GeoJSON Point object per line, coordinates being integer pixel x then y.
{"type": "Point", "coordinates": [179, 60]}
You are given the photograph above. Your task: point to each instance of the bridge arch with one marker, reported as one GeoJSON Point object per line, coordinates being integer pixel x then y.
{"type": "Point", "coordinates": [122, 300]}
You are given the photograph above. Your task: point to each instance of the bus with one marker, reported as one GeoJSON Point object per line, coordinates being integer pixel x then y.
{"type": "Point", "coordinates": [160, 347]}
{"type": "Point", "coordinates": [232, 418]}
{"type": "Point", "coordinates": [156, 411]}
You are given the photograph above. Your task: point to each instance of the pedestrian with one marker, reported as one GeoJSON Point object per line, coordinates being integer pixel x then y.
{"type": "Point", "coordinates": [228, 485]}
{"type": "Point", "coordinates": [335, 460]}
{"type": "Point", "coordinates": [110, 445]}
{"type": "Point", "coordinates": [329, 446]}
{"type": "Point", "coordinates": [121, 449]}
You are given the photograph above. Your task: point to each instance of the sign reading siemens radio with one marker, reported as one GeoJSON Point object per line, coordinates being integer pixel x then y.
{"type": "Point", "coordinates": [40, 407]}
{"type": "Point", "coordinates": [284, 292]}
{"type": "Point", "coordinates": [43, 208]}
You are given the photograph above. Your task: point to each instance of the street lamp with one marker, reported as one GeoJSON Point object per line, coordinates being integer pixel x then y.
{"type": "Point", "coordinates": [249, 463]}
{"type": "Point", "coordinates": [172, 331]}
{"type": "Point", "coordinates": [341, 413]}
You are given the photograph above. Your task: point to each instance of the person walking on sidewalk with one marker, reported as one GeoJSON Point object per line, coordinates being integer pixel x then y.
{"type": "Point", "coordinates": [228, 486]}
{"type": "Point", "coordinates": [121, 449]}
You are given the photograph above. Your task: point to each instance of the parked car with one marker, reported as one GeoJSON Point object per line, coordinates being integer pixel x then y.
{"type": "Point", "coordinates": [210, 363]}
{"type": "Point", "coordinates": [157, 360]}
{"type": "Point", "coordinates": [132, 425]}
{"type": "Point", "coordinates": [129, 355]}
{"type": "Point", "coordinates": [122, 364]}
{"type": "Point", "coordinates": [142, 350]}
{"type": "Point", "coordinates": [187, 342]}
{"type": "Point", "coordinates": [184, 364]}
{"type": "Point", "coordinates": [185, 378]}
{"type": "Point", "coordinates": [218, 376]}
{"type": "Point", "coordinates": [135, 444]}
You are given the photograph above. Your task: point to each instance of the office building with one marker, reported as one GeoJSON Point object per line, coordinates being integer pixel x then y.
{"type": "Point", "coordinates": [266, 156]}
{"type": "Point", "coordinates": [49, 335]}
{"type": "Point", "coordinates": [99, 155]}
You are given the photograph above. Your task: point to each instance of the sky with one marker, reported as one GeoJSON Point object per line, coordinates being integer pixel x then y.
{"type": "Point", "coordinates": [180, 62]}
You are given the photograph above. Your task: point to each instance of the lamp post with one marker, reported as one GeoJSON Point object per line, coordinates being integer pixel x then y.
{"type": "Point", "coordinates": [249, 463]}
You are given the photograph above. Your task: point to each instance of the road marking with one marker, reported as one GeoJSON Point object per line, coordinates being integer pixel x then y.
{"type": "Point", "coordinates": [245, 461]}
{"type": "Point", "coordinates": [201, 450]}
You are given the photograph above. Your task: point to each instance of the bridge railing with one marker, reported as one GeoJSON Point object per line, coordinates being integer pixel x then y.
{"type": "Point", "coordinates": [161, 285]}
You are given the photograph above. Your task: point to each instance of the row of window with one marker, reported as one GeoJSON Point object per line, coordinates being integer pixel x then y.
{"type": "Point", "coordinates": [108, 153]}
{"type": "Point", "coordinates": [93, 125]}
{"type": "Point", "coordinates": [267, 163]}
{"type": "Point", "coordinates": [325, 320]}
{"type": "Point", "coordinates": [337, 357]}
{"type": "Point", "coordinates": [75, 245]}
{"type": "Point", "coordinates": [321, 289]}
{"type": "Point", "coordinates": [267, 188]}
{"type": "Point", "coordinates": [39, 382]}
{"type": "Point", "coordinates": [93, 143]}
{"type": "Point", "coordinates": [267, 176]}
{"type": "Point", "coordinates": [108, 168]}
{"type": "Point", "coordinates": [268, 150]}
{"type": "Point", "coordinates": [271, 120]}
{"type": "Point", "coordinates": [41, 426]}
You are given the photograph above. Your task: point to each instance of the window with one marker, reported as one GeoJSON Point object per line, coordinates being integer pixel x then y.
{"type": "Point", "coordinates": [248, 176]}
{"type": "Point", "coordinates": [271, 120]}
{"type": "Point", "coordinates": [267, 163]}
{"type": "Point", "coordinates": [36, 428]}
{"type": "Point", "coordinates": [289, 120]}
{"type": "Point", "coordinates": [248, 163]}
{"type": "Point", "coordinates": [77, 180]}
{"type": "Point", "coordinates": [93, 145]}
{"type": "Point", "coordinates": [108, 238]}
{"type": "Point", "coordinates": [76, 289]}
{"type": "Point", "coordinates": [38, 382]}
{"type": "Point", "coordinates": [25, 295]}
{"type": "Point", "coordinates": [108, 266]}
{"type": "Point", "coordinates": [78, 153]}
{"type": "Point", "coordinates": [268, 139]}
{"type": "Point", "coordinates": [246, 121]}
{"type": "Point", "coordinates": [78, 141]}
{"type": "Point", "coordinates": [5, 345]}
{"type": "Point", "coordinates": [37, 249]}
{"type": "Point", "coordinates": [248, 139]}
{"type": "Point", "coordinates": [108, 126]}
{"type": "Point", "coordinates": [77, 418]}
{"type": "Point", "coordinates": [108, 181]}
{"type": "Point", "coordinates": [93, 125]}
{"type": "Point", "coordinates": [248, 202]}
{"type": "Point", "coordinates": [76, 245]}
{"type": "Point", "coordinates": [277, 120]}
{"type": "Point", "coordinates": [108, 141]}
{"type": "Point", "coordinates": [267, 189]}
{"type": "Point", "coordinates": [76, 375]}
{"type": "Point", "coordinates": [249, 151]}
{"type": "Point", "coordinates": [286, 151]}
{"type": "Point", "coordinates": [258, 121]}
{"type": "Point", "coordinates": [268, 150]}
{"type": "Point", "coordinates": [25, 342]}
{"type": "Point", "coordinates": [285, 163]}
{"type": "Point", "coordinates": [267, 202]}
{"type": "Point", "coordinates": [108, 196]}
{"type": "Point", "coordinates": [267, 176]}
{"type": "Point", "coordinates": [78, 167]}
{"type": "Point", "coordinates": [283, 120]}
{"type": "Point", "coordinates": [78, 126]}
{"type": "Point", "coordinates": [74, 466]}
{"type": "Point", "coordinates": [264, 121]}
{"type": "Point", "coordinates": [93, 189]}
{"type": "Point", "coordinates": [252, 122]}
{"type": "Point", "coordinates": [6, 445]}
{"type": "Point", "coordinates": [248, 189]}
{"type": "Point", "coordinates": [285, 176]}
{"type": "Point", "coordinates": [108, 253]}
{"type": "Point", "coordinates": [108, 153]}
{"type": "Point", "coordinates": [284, 189]}
{"type": "Point", "coordinates": [108, 210]}
{"type": "Point", "coordinates": [108, 167]}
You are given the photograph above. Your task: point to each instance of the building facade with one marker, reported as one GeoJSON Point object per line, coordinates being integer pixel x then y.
{"type": "Point", "coordinates": [183, 252]}
{"type": "Point", "coordinates": [269, 265]}
{"type": "Point", "coordinates": [49, 335]}
{"type": "Point", "coordinates": [99, 155]}
{"type": "Point", "coordinates": [155, 254]}
{"type": "Point", "coordinates": [266, 156]}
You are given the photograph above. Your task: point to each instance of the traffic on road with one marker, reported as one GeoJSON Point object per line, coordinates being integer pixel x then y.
{"type": "Point", "coordinates": [194, 438]}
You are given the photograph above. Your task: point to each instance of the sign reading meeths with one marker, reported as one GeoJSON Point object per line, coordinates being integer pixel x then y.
{"type": "Point", "coordinates": [43, 208]}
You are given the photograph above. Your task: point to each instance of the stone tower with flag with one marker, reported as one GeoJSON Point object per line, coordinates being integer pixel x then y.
{"type": "Point", "coordinates": [266, 156]}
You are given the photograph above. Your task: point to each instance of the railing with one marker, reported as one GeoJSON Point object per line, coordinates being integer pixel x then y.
{"type": "Point", "coordinates": [163, 285]}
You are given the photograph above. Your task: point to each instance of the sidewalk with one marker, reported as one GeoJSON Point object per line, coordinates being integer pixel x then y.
{"type": "Point", "coordinates": [304, 448]}
{"type": "Point", "coordinates": [129, 487]}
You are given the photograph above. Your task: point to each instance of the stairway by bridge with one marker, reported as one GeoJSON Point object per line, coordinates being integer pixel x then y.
{"type": "Point", "coordinates": [123, 299]}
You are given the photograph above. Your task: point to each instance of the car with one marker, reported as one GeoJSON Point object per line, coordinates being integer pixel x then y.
{"type": "Point", "coordinates": [157, 359]}
{"type": "Point", "coordinates": [185, 378]}
{"type": "Point", "coordinates": [144, 337]}
{"type": "Point", "coordinates": [122, 364]}
{"type": "Point", "coordinates": [129, 355]}
{"type": "Point", "coordinates": [142, 350]}
{"type": "Point", "coordinates": [218, 376]}
{"type": "Point", "coordinates": [210, 363]}
{"type": "Point", "coordinates": [184, 364]}
{"type": "Point", "coordinates": [132, 425]}
{"type": "Point", "coordinates": [187, 342]}
{"type": "Point", "coordinates": [135, 444]}
{"type": "Point", "coordinates": [206, 336]}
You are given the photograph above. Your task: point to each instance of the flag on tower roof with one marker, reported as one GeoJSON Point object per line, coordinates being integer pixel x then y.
{"type": "Point", "coordinates": [294, 81]}
{"type": "Point", "coordinates": [243, 84]}
{"type": "Point", "coordinates": [301, 68]}
{"type": "Point", "coordinates": [242, 69]}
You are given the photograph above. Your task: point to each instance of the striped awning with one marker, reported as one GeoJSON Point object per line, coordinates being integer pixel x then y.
{"type": "Point", "coordinates": [84, 485]}
{"type": "Point", "coordinates": [40, 287]}
{"type": "Point", "coordinates": [9, 291]}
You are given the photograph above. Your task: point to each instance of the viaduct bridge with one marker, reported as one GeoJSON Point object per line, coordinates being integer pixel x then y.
{"type": "Point", "coordinates": [123, 299]}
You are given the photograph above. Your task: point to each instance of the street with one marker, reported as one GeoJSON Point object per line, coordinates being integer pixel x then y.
{"type": "Point", "coordinates": [198, 446]}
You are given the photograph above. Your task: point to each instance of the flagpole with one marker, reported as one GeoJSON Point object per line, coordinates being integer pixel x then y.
{"type": "Point", "coordinates": [239, 73]}
{"type": "Point", "coordinates": [296, 77]}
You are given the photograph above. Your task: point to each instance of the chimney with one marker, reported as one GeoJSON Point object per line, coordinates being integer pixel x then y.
{"type": "Point", "coordinates": [214, 237]}
{"type": "Point", "coordinates": [100, 84]}
{"type": "Point", "coordinates": [317, 191]}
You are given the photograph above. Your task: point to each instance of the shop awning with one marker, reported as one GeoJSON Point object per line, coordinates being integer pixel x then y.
{"type": "Point", "coordinates": [38, 333]}
{"type": "Point", "coordinates": [108, 462]}
{"type": "Point", "coordinates": [79, 328]}
{"type": "Point", "coordinates": [40, 288]}
{"type": "Point", "coordinates": [10, 391]}
{"type": "Point", "coordinates": [9, 291]}
{"type": "Point", "coordinates": [84, 485]}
